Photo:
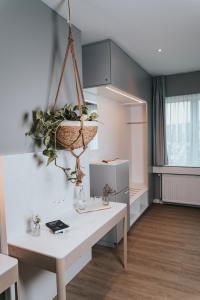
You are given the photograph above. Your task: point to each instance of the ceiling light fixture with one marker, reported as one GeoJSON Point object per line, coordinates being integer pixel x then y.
{"type": "Point", "coordinates": [124, 94]}
{"type": "Point", "coordinates": [159, 50]}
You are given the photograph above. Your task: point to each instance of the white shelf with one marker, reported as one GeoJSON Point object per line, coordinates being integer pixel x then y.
{"type": "Point", "coordinates": [133, 218]}
{"type": "Point", "coordinates": [111, 163]}
{"type": "Point", "coordinates": [138, 201]}
{"type": "Point", "coordinates": [135, 191]}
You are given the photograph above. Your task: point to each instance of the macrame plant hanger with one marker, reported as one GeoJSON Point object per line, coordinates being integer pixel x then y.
{"type": "Point", "coordinates": [79, 93]}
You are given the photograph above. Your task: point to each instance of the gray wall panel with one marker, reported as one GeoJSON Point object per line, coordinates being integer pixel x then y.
{"type": "Point", "coordinates": [33, 41]}
{"type": "Point", "coordinates": [183, 84]}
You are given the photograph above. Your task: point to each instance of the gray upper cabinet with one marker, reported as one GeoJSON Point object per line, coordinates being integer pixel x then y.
{"type": "Point", "coordinates": [106, 63]}
{"type": "Point", "coordinates": [96, 64]}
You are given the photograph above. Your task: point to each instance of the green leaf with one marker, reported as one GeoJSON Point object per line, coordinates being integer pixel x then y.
{"type": "Point", "coordinates": [51, 159]}
{"type": "Point", "coordinates": [93, 116]}
{"type": "Point", "coordinates": [68, 107]}
{"type": "Point", "coordinates": [48, 152]}
{"type": "Point", "coordinates": [73, 172]}
{"type": "Point", "coordinates": [39, 115]}
{"type": "Point", "coordinates": [47, 140]}
{"type": "Point", "coordinates": [51, 154]}
{"type": "Point", "coordinates": [73, 116]}
{"type": "Point", "coordinates": [84, 109]}
{"type": "Point", "coordinates": [48, 111]}
{"type": "Point", "coordinates": [75, 107]}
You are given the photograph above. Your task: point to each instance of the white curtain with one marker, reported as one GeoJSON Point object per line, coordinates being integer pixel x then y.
{"type": "Point", "coordinates": [183, 130]}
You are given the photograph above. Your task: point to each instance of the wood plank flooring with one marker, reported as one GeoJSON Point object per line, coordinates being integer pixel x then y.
{"type": "Point", "coordinates": [163, 261]}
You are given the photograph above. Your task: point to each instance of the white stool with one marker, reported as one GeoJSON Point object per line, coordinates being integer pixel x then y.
{"type": "Point", "coordinates": [9, 274]}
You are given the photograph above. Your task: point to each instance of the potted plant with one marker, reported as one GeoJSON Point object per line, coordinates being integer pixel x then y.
{"type": "Point", "coordinates": [67, 128]}
{"type": "Point", "coordinates": [64, 129]}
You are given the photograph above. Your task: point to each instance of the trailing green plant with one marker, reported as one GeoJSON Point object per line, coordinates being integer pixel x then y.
{"type": "Point", "coordinates": [44, 127]}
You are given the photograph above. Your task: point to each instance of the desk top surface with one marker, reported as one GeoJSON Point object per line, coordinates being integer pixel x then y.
{"type": "Point", "coordinates": [82, 227]}
{"type": "Point", "coordinates": [6, 263]}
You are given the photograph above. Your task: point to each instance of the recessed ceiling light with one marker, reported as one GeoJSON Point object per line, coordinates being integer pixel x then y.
{"type": "Point", "coordinates": [159, 50]}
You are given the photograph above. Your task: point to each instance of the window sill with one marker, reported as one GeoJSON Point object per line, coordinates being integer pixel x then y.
{"type": "Point", "coordinates": [176, 170]}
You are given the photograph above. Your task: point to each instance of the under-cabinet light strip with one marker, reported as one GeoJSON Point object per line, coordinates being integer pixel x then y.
{"type": "Point", "coordinates": [123, 94]}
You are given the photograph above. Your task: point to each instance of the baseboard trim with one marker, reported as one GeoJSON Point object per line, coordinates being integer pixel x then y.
{"type": "Point", "coordinates": [157, 201]}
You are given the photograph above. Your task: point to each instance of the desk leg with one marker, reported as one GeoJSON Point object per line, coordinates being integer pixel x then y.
{"type": "Point", "coordinates": [17, 295]}
{"type": "Point", "coordinates": [125, 241]}
{"type": "Point", "coordinates": [17, 285]}
{"type": "Point", "coordinates": [60, 277]}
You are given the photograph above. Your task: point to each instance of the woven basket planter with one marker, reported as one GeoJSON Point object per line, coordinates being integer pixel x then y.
{"type": "Point", "coordinates": [68, 134]}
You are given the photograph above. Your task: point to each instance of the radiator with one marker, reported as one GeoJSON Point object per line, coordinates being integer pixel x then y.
{"type": "Point", "coordinates": [183, 189]}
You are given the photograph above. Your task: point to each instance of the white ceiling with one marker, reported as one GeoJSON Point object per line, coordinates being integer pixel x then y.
{"type": "Point", "coordinates": [140, 27]}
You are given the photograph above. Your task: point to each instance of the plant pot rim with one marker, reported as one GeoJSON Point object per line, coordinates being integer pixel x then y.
{"type": "Point", "coordinates": [78, 123]}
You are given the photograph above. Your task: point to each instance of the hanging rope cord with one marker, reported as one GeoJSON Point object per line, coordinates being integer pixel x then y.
{"type": "Point", "coordinates": [79, 92]}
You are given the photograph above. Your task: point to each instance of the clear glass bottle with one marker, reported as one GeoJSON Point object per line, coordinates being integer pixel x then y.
{"type": "Point", "coordinates": [80, 198]}
{"type": "Point", "coordinates": [105, 200]}
{"type": "Point", "coordinates": [35, 225]}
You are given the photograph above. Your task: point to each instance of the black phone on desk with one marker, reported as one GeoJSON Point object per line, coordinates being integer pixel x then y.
{"type": "Point", "coordinates": [57, 226]}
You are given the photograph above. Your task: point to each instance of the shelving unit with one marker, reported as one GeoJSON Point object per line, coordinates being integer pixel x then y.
{"type": "Point", "coordinates": [138, 192]}
{"type": "Point", "coordinates": [138, 202]}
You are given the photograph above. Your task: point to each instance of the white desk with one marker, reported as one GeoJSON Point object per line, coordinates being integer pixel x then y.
{"type": "Point", "coordinates": [56, 253]}
{"type": "Point", "coordinates": [9, 274]}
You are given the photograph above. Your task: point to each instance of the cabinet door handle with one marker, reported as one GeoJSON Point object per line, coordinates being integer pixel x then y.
{"type": "Point", "coordinates": [126, 192]}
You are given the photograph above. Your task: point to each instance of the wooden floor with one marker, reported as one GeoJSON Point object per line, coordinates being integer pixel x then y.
{"type": "Point", "coordinates": [163, 261]}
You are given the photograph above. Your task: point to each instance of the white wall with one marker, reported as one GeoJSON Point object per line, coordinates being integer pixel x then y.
{"type": "Point", "coordinates": [112, 133]}
{"type": "Point", "coordinates": [116, 138]}
{"type": "Point", "coordinates": [33, 42]}
{"type": "Point", "coordinates": [138, 144]}
{"type": "Point", "coordinates": [43, 190]}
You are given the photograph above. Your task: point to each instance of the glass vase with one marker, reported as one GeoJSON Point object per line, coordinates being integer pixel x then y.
{"type": "Point", "coordinates": [80, 198]}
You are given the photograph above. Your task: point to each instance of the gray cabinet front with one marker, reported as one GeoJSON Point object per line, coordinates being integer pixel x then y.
{"type": "Point", "coordinates": [127, 75]}
{"type": "Point", "coordinates": [117, 177]}
{"type": "Point", "coordinates": [106, 63]}
{"type": "Point", "coordinates": [122, 177]}
{"type": "Point", "coordinates": [100, 175]}
{"type": "Point", "coordinates": [96, 64]}
{"type": "Point", "coordinates": [116, 234]}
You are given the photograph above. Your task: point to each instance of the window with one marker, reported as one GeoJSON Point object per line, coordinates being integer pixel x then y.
{"type": "Point", "coordinates": [183, 130]}
{"type": "Point", "coordinates": [92, 107]}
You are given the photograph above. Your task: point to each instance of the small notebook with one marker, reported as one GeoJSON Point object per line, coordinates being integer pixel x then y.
{"type": "Point", "coordinates": [57, 226]}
